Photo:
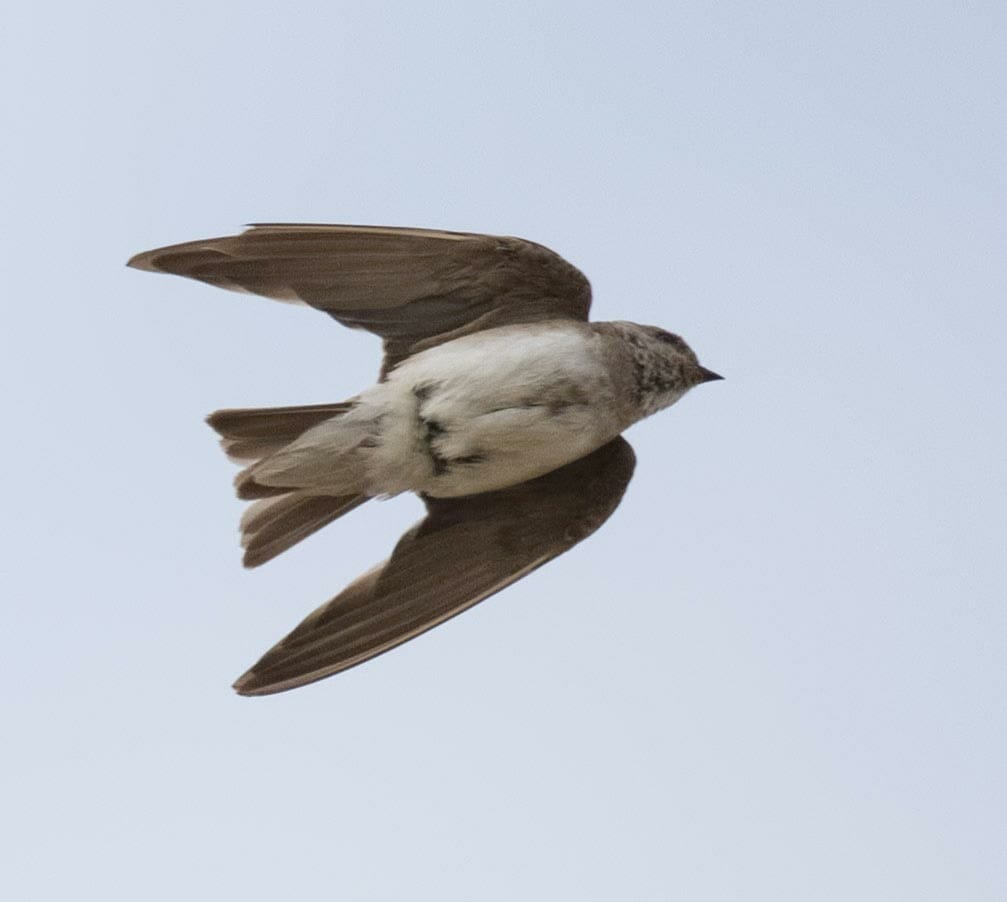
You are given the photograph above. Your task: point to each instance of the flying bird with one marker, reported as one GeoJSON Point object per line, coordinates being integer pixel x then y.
{"type": "Point", "coordinates": [497, 402]}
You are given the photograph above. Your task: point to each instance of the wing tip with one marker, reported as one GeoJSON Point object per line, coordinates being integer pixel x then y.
{"type": "Point", "coordinates": [249, 685]}
{"type": "Point", "coordinates": [143, 261]}
{"type": "Point", "coordinates": [252, 684]}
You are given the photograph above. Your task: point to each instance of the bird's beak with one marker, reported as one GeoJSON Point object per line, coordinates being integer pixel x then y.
{"type": "Point", "coordinates": [706, 375]}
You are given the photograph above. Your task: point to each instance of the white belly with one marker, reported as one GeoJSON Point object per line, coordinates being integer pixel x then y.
{"type": "Point", "coordinates": [489, 411]}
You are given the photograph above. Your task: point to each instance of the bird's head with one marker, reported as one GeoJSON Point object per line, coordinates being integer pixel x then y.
{"type": "Point", "coordinates": [673, 348]}
{"type": "Point", "coordinates": [666, 367]}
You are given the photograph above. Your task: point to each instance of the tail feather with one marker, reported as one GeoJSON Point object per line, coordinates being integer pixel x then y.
{"type": "Point", "coordinates": [248, 489]}
{"type": "Point", "coordinates": [252, 433]}
{"type": "Point", "coordinates": [271, 526]}
{"type": "Point", "coordinates": [281, 516]}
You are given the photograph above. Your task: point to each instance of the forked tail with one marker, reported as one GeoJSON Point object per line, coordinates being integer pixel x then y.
{"type": "Point", "coordinates": [283, 517]}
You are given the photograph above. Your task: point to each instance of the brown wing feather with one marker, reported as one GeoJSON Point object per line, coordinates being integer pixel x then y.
{"type": "Point", "coordinates": [413, 287]}
{"type": "Point", "coordinates": [464, 551]}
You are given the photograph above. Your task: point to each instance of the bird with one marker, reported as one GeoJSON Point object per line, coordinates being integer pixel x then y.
{"type": "Point", "coordinates": [498, 402]}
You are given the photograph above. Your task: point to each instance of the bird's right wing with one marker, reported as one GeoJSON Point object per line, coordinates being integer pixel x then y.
{"type": "Point", "coordinates": [416, 288]}
{"type": "Point", "coordinates": [465, 550]}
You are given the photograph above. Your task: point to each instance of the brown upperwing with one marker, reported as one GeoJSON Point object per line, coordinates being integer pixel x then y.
{"type": "Point", "coordinates": [415, 288]}
{"type": "Point", "coordinates": [465, 550]}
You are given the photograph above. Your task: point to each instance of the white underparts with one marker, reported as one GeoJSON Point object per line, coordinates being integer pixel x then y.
{"type": "Point", "coordinates": [476, 414]}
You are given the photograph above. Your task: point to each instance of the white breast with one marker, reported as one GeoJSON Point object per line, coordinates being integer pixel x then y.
{"type": "Point", "coordinates": [491, 410]}
{"type": "Point", "coordinates": [507, 361]}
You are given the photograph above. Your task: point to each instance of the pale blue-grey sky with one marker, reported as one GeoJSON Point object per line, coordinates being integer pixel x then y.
{"type": "Point", "coordinates": [777, 672]}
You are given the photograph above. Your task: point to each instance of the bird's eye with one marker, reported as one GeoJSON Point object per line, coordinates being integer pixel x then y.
{"type": "Point", "coordinates": [669, 339]}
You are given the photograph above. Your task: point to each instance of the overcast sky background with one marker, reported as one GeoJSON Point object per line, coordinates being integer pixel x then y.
{"type": "Point", "coordinates": [777, 673]}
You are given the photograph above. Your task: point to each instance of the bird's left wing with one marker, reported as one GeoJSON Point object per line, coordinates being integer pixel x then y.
{"type": "Point", "coordinates": [416, 288]}
{"type": "Point", "coordinates": [465, 550]}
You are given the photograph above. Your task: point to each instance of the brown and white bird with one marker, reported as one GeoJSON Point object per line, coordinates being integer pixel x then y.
{"type": "Point", "coordinates": [497, 402]}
